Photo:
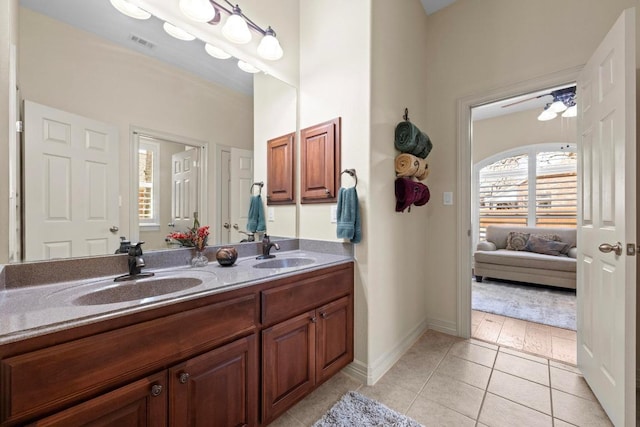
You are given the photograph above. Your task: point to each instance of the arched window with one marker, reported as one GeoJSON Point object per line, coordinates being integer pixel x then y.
{"type": "Point", "coordinates": [534, 185]}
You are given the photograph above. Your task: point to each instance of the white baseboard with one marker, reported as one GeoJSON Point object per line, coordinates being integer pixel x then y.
{"type": "Point", "coordinates": [444, 326]}
{"type": "Point", "coordinates": [370, 374]}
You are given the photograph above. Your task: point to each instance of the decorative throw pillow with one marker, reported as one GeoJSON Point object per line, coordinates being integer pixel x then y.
{"type": "Point", "coordinates": [545, 246]}
{"type": "Point", "coordinates": [555, 238]}
{"type": "Point", "coordinates": [517, 241]}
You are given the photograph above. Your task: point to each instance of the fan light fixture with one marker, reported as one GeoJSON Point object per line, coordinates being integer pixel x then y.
{"type": "Point", "coordinates": [237, 27]}
{"type": "Point", "coordinates": [564, 101]}
{"type": "Point", "coordinates": [130, 9]}
{"type": "Point", "coordinates": [176, 32]}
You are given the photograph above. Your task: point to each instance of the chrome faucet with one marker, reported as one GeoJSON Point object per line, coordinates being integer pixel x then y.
{"type": "Point", "coordinates": [266, 248]}
{"type": "Point", "coordinates": [136, 262]}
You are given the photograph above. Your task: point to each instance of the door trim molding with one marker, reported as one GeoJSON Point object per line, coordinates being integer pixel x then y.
{"type": "Point", "coordinates": [464, 146]}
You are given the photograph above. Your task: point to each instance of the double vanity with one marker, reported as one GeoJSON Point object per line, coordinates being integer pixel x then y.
{"type": "Point", "coordinates": [223, 346]}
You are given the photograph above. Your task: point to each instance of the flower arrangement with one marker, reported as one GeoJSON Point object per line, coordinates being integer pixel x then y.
{"type": "Point", "coordinates": [195, 237]}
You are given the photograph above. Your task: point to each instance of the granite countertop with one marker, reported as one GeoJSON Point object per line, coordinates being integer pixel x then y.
{"type": "Point", "coordinates": [30, 311]}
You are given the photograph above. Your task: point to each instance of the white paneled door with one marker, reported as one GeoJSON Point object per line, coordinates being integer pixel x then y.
{"type": "Point", "coordinates": [240, 194]}
{"type": "Point", "coordinates": [607, 228]}
{"type": "Point", "coordinates": [71, 190]}
{"type": "Point", "coordinates": [184, 192]}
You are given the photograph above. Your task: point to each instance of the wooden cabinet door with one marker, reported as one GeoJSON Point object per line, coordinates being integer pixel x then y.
{"type": "Point", "coordinates": [142, 403]}
{"type": "Point", "coordinates": [288, 364]}
{"type": "Point", "coordinates": [320, 162]}
{"type": "Point", "coordinates": [334, 337]}
{"type": "Point", "coordinates": [218, 388]}
{"type": "Point", "coordinates": [280, 176]}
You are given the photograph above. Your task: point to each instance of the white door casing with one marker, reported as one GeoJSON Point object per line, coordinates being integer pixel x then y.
{"type": "Point", "coordinates": [223, 199]}
{"type": "Point", "coordinates": [607, 214]}
{"type": "Point", "coordinates": [71, 196]}
{"type": "Point", "coordinates": [184, 188]}
{"type": "Point", "coordinates": [239, 197]}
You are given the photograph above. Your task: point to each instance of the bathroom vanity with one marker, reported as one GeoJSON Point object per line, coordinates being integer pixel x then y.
{"type": "Point", "coordinates": [238, 349]}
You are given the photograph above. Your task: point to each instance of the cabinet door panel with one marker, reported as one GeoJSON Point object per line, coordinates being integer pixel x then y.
{"type": "Point", "coordinates": [218, 388]}
{"type": "Point", "coordinates": [320, 162]}
{"type": "Point", "coordinates": [288, 363]}
{"type": "Point", "coordinates": [334, 337]}
{"type": "Point", "coordinates": [134, 405]}
{"type": "Point", "coordinates": [280, 166]}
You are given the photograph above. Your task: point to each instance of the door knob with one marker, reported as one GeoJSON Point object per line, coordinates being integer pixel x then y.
{"type": "Point", "coordinates": [227, 225]}
{"type": "Point", "coordinates": [235, 227]}
{"type": "Point", "coordinates": [171, 224]}
{"type": "Point", "coordinates": [114, 229]}
{"type": "Point", "coordinates": [606, 248]}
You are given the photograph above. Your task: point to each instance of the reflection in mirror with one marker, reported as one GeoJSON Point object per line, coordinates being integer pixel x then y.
{"type": "Point", "coordinates": [124, 83]}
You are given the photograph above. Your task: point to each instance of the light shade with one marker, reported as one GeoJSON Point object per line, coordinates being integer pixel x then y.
{"type": "Point", "coordinates": [176, 32]}
{"type": "Point", "coordinates": [571, 111]}
{"type": "Point", "coordinates": [197, 10]}
{"type": "Point", "coordinates": [547, 114]}
{"type": "Point", "coordinates": [216, 52]}
{"type": "Point", "coordinates": [236, 28]}
{"type": "Point", "coordinates": [130, 9]}
{"type": "Point", "coordinates": [269, 47]}
{"type": "Point", "coordinates": [558, 107]}
{"type": "Point", "coordinates": [246, 67]}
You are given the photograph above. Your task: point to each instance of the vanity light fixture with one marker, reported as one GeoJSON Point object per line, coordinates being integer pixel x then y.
{"type": "Point", "coordinates": [246, 67]}
{"type": "Point", "coordinates": [216, 52]}
{"type": "Point", "coordinates": [197, 10]}
{"type": "Point", "coordinates": [130, 9]}
{"type": "Point", "coordinates": [237, 28]}
{"type": "Point", "coordinates": [176, 32]}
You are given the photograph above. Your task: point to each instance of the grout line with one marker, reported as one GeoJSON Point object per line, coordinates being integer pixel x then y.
{"type": "Point", "coordinates": [486, 390]}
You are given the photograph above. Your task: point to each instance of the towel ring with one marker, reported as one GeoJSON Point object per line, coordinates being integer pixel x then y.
{"type": "Point", "coordinates": [351, 172]}
{"type": "Point", "coordinates": [259, 184]}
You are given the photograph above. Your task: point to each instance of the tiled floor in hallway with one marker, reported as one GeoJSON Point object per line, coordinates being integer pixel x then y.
{"type": "Point", "coordinates": [542, 340]}
{"type": "Point", "coordinates": [446, 381]}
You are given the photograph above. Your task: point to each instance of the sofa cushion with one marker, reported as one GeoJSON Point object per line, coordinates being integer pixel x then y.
{"type": "Point", "coordinates": [526, 259]}
{"type": "Point", "coordinates": [541, 245]}
{"type": "Point", "coordinates": [498, 233]}
{"type": "Point", "coordinates": [517, 241]}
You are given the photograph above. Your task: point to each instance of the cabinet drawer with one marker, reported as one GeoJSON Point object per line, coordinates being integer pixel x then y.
{"type": "Point", "coordinates": [38, 381]}
{"type": "Point", "coordinates": [285, 301]}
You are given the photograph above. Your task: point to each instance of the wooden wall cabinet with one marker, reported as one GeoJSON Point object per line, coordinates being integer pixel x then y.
{"type": "Point", "coordinates": [280, 170]}
{"type": "Point", "coordinates": [320, 162]}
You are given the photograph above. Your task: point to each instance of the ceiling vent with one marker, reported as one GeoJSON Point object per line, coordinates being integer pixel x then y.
{"type": "Point", "coordinates": [139, 41]}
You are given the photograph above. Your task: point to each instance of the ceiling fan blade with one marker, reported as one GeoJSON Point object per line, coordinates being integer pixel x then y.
{"type": "Point", "coordinates": [525, 100]}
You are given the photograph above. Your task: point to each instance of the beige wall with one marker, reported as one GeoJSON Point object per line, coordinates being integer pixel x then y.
{"type": "Point", "coordinates": [74, 71]}
{"type": "Point", "coordinates": [498, 134]}
{"type": "Point", "coordinates": [275, 114]}
{"type": "Point", "coordinates": [474, 47]}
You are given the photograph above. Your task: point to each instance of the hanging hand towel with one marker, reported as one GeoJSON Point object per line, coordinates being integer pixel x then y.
{"type": "Point", "coordinates": [349, 215]}
{"type": "Point", "coordinates": [409, 139]}
{"type": "Point", "coordinates": [407, 164]}
{"type": "Point", "coordinates": [255, 220]}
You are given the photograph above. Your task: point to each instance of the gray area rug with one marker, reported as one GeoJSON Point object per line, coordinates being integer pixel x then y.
{"type": "Point", "coordinates": [540, 304]}
{"type": "Point", "coordinates": [354, 409]}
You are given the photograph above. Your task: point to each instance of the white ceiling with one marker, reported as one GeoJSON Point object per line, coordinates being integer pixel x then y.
{"type": "Point", "coordinates": [102, 19]}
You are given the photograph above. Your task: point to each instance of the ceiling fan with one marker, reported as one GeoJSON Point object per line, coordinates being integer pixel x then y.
{"type": "Point", "coordinates": [564, 95]}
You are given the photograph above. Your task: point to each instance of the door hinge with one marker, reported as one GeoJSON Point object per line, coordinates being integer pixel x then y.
{"type": "Point", "coordinates": [631, 249]}
{"type": "Point", "coordinates": [19, 126]}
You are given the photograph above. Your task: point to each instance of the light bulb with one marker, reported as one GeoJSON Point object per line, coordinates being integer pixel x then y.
{"type": "Point", "coordinates": [197, 10]}
{"type": "Point", "coordinates": [246, 67]}
{"type": "Point", "coordinates": [236, 28]}
{"type": "Point", "coordinates": [216, 52]}
{"type": "Point", "coordinates": [176, 32]}
{"type": "Point", "coordinates": [269, 47]}
{"type": "Point", "coordinates": [571, 111]}
{"type": "Point", "coordinates": [130, 9]}
{"type": "Point", "coordinates": [547, 114]}
{"type": "Point", "coordinates": [557, 107]}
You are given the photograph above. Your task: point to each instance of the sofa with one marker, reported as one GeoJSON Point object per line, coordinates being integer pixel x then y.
{"type": "Point", "coordinates": [545, 256]}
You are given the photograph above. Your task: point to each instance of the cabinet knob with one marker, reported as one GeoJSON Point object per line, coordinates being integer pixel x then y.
{"type": "Point", "coordinates": [183, 378]}
{"type": "Point", "coordinates": [156, 389]}
{"type": "Point", "coordinates": [314, 319]}
{"type": "Point", "coordinates": [326, 190]}
{"type": "Point", "coordinates": [323, 315]}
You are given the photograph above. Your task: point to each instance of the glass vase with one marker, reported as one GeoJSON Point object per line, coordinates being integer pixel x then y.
{"type": "Point", "coordinates": [200, 259]}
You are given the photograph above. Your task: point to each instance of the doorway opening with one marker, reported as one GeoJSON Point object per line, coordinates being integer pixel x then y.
{"type": "Point", "coordinates": [523, 216]}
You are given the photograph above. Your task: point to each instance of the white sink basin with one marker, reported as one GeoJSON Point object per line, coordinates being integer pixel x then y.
{"type": "Point", "coordinates": [285, 263]}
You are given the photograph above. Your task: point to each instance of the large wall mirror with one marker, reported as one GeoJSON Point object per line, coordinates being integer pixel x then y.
{"type": "Point", "coordinates": [145, 102]}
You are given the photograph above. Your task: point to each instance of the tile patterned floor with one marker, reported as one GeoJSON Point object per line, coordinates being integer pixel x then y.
{"type": "Point", "coordinates": [542, 340]}
{"type": "Point", "coordinates": [446, 381]}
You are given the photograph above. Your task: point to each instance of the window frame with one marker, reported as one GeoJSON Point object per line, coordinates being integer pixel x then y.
{"type": "Point", "coordinates": [153, 223]}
